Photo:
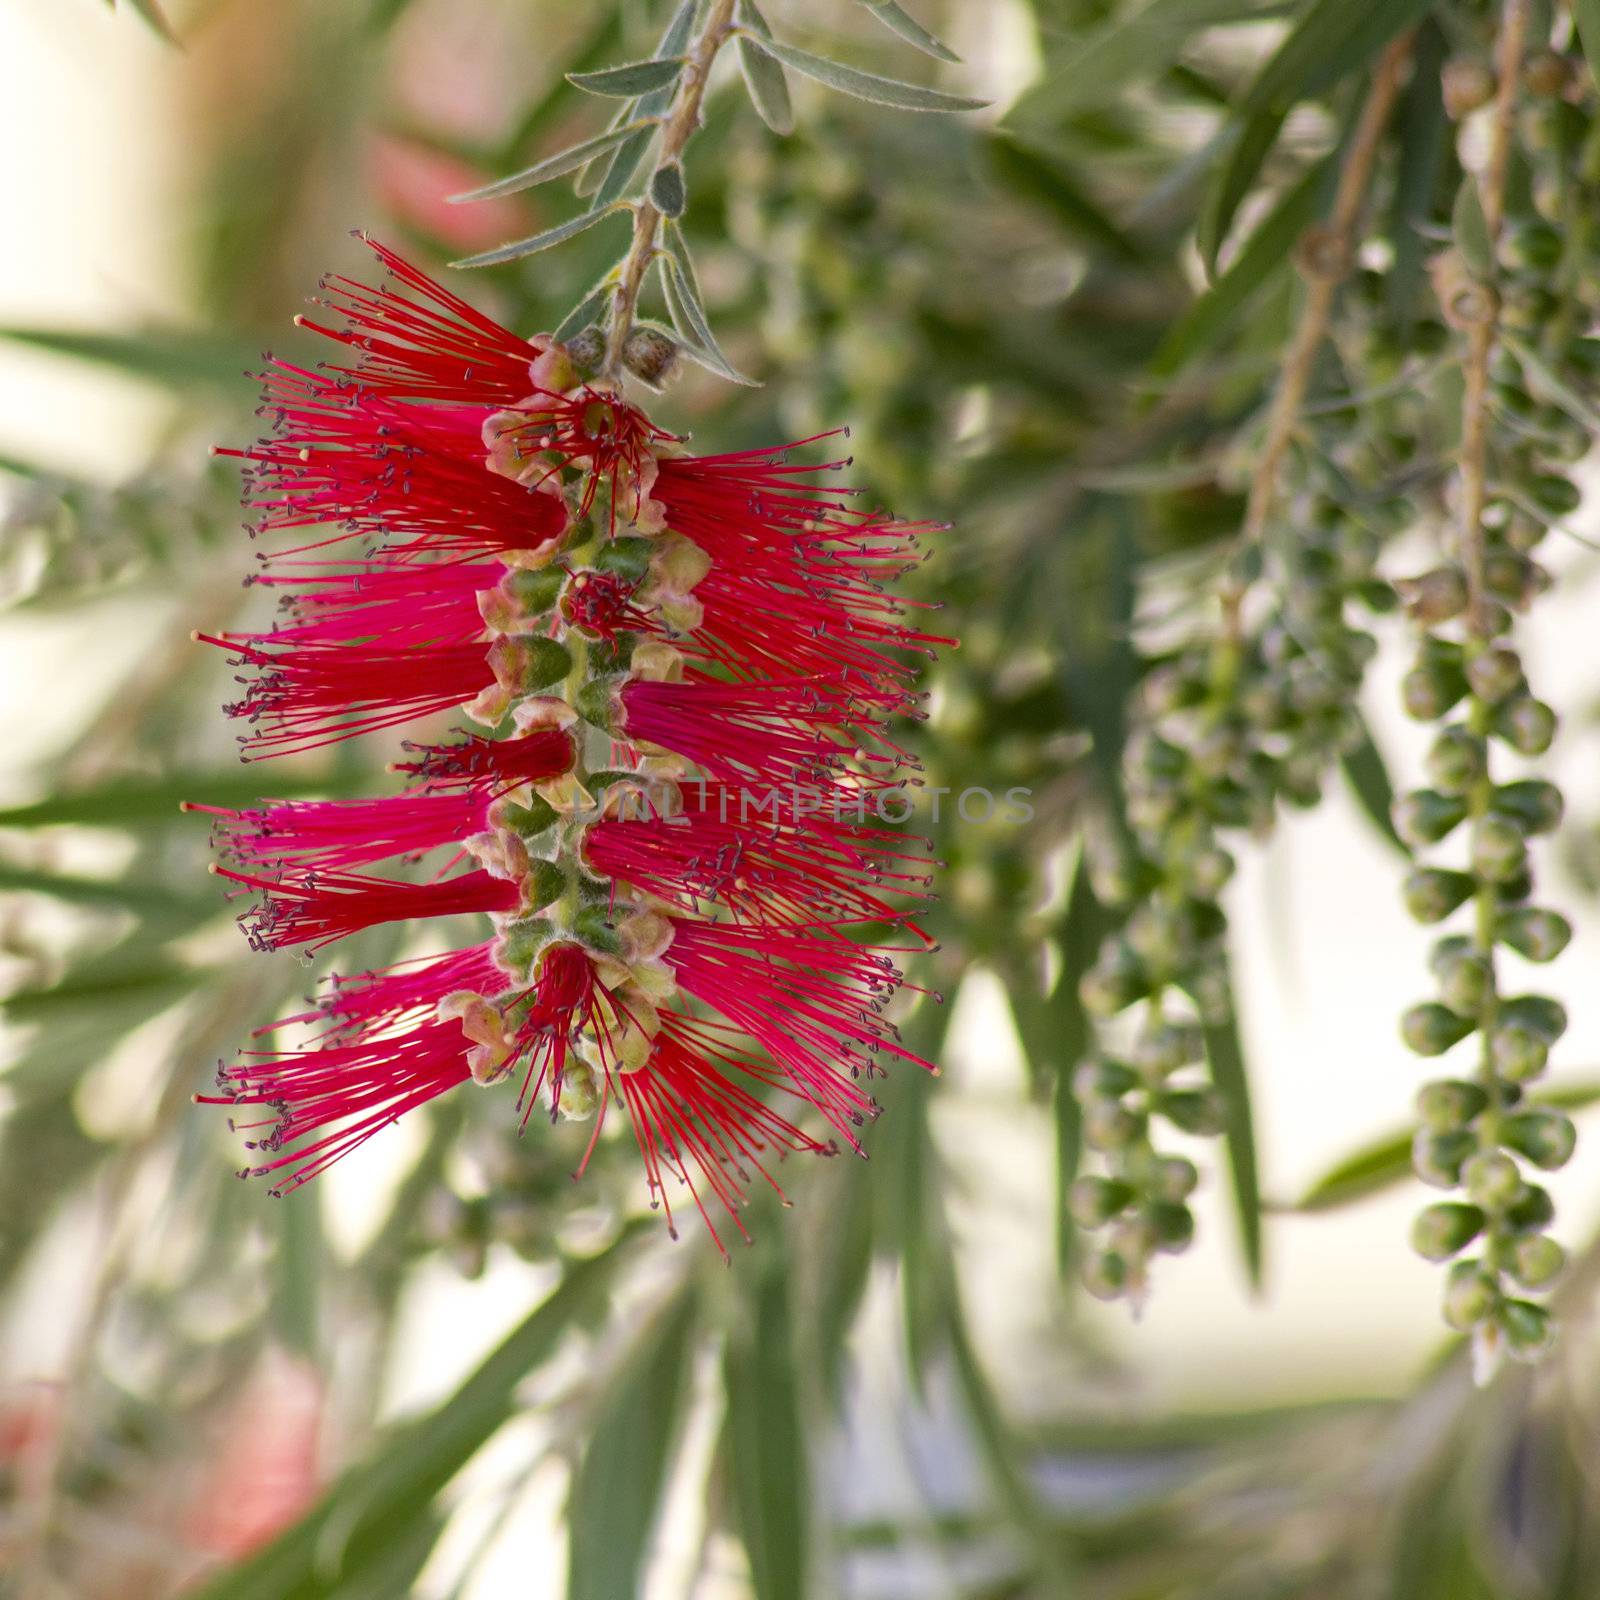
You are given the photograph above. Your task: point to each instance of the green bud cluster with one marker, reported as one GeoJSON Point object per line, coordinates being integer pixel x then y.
{"type": "Point", "coordinates": [1482, 1134]}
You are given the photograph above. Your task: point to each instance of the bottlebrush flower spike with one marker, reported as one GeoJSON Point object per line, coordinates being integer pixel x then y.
{"type": "Point", "coordinates": [685, 673]}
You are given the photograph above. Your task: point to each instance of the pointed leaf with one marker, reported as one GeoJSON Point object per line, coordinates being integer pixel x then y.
{"type": "Point", "coordinates": [624, 1467]}
{"type": "Point", "coordinates": [619, 172]}
{"type": "Point", "coordinates": [151, 14]}
{"type": "Point", "coordinates": [763, 77]}
{"type": "Point", "coordinates": [1469, 228]}
{"type": "Point", "coordinates": [894, 17]}
{"type": "Point", "coordinates": [631, 79]}
{"type": "Point", "coordinates": [539, 241]}
{"type": "Point", "coordinates": [175, 357]}
{"type": "Point", "coordinates": [1225, 1055]}
{"type": "Point", "coordinates": [765, 1439]}
{"type": "Point", "coordinates": [1034, 175]}
{"type": "Point", "coordinates": [1586, 18]}
{"type": "Point", "coordinates": [1368, 776]}
{"type": "Point", "coordinates": [868, 85]}
{"type": "Point", "coordinates": [553, 166]}
{"type": "Point", "coordinates": [1250, 143]}
{"type": "Point", "coordinates": [684, 302]}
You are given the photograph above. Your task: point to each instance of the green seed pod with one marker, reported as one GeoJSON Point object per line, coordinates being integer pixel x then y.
{"type": "Point", "coordinates": [1445, 1230]}
{"type": "Point", "coordinates": [1107, 1079]}
{"type": "Point", "coordinates": [1499, 851]}
{"type": "Point", "coordinates": [1456, 760]}
{"type": "Point", "coordinates": [1541, 1014]}
{"type": "Point", "coordinates": [1526, 724]}
{"type": "Point", "coordinates": [1193, 1110]}
{"type": "Point", "coordinates": [1465, 983]}
{"type": "Point", "coordinates": [1175, 1178]}
{"type": "Point", "coordinates": [1495, 673]}
{"type": "Point", "coordinates": [1519, 1054]}
{"type": "Point", "coordinates": [1535, 934]}
{"type": "Point", "coordinates": [1377, 596]}
{"type": "Point", "coordinates": [1546, 1137]}
{"type": "Point", "coordinates": [1172, 1224]}
{"type": "Point", "coordinates": [1529, 1328]}
{"type": "Point", "coordinates": [1436, 1157]}
{"type": "Point", "coordinates": [1207, 871]}
{"type": "Point", "coordinates": [1531, 246]}
{"type": "Point", "coordinates": [1095, 1201]}
{"type": "Point", "coordinates": [1470, 1296]}
{"type": "Point", "coordinates": [1535, 803]}
{"type": "Point", "coordinates": [1432, 893]}
{"type": "Point", "coordinates": [1428, 693]}
{"type": "Point", "coordinates": [1537, 1261]}
{"type": "Point", "coordinates": [1491, 1179]}
{"type": "Point", "coordinates": [1509, 577]}
{"type": "Point", "coordinates": [1105, 1274]}
{"type": "Point", "coordinates": [1110, 1125]}
{"type": "Point", "coordinates": [1532, 1212]}
{"type": "Point", "coordinates": [1448, 1104]}
{"type": "Point", "coordinates": [1425, 816]}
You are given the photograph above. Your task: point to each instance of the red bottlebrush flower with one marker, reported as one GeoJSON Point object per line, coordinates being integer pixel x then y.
{"type": "Point", "coordinates": [542, 555]}
{"type": "Point", "coordinates": [315, 908]}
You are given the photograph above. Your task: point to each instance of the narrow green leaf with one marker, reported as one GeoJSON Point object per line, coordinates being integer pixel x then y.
{"type": "Point", "coordinates": [623, 1471]}
{"type": "Point", "coordinates": [687, 310]}
{"type": "Point", "coordinates": [1099, 64]}
{"type": "Point", "coordinates": [763, 76]}
{"type": "Point", "coordinates": [137, 895]}
{"type": "Point", "coordinates": [765, 1439]}
{"type": "Point", "coordinates": [895, 17]}
{"type": "Point", "coordinates": [151, 14]}
{"type": "Point", "coordinates": [1264, 255]}
{"type": "Point", "coordinates": [868, 85]}
{"type": "Point", "coordinates": [555, 166]}
{"type": "Point", "coordinates": [1367, 773]}
{"type": "Point", "coordinates": [1250, 144]}
{"type": "Point", "coordinates": [1549, 384]}
{"type": "Point", "coordinates": [129, 802]}
{"type": "Point", "coordinates": [585, 312]}
{"type": "Point", "coordinates": [297, 1269]}
{"type": "Point", "coordinates": [384, 14]}
{"type": "Point", "coordinates": [352, 1528]}
{"type": "Point", "coordinates": [1225, 1055]}
{"type": "Point", "coordinates": [667, 191]}
{"type": "Point", "coordinates": [1421, 141]}
{"type": "Point", "coordinates": [1386, 1160]}
{"type": "Point", "coordinates": [622, 166]}
{"type": "Point", "coordinates": [1469, 228]}
{"type": "Point", "coordinates": [1586, 17]}
{"type": "Point", "coordinates": [1031, 173]}
{"type": "Point", "coordinates": [175, 357]}
{"type": "Point", "coordinates": [631, 79]}
{"type": "Point", "coordinates": [540, 241]}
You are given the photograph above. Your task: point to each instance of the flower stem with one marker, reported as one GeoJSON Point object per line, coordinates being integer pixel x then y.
{"type": "Point", "coordinates": [679, 127]}
{"type": "Point", "coordinates": [1325, 256]}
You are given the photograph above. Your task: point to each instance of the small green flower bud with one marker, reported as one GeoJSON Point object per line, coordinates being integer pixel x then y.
{"type": "Point", "coordinates": [1546, 1137]}
{"type": "Point", "coordinates": [1537, 1261]}
{"type": "Point", "coordinates": [1172, 1224]}
{"type": "Point", "coordinates": [1499, 851]}
{"type": "Point", "coordinates": [1193, 1110]}
{"type": "Point", "coordinates": [1446, 1229]}
{"type": "Point", "coordinates": [1436, 1157]}
{"type": "Point", "coordinates": [1425, 816]}
{"type": "Point", "coordinates": [1470, 1295]}
{"type": "Point", "coordinates": [1536, 803]}
{"type": "Point", "coordinates": [1105, 1274]}
{"type": "Point", "coordinates": [1529, 1329]}
{"type": "Point", "coordinates": [1162, 935]}
{"type": "Point", "coordinates": [1430, 1028]}
{"type": "Point", "coordinates": [1432, 893]}
{"type": "Point", "coordinates": [1465, 983]}
{"type": "Point", "coordinates": [1160, 1051]}
{"type": "Point", "coordinates": [1207, 871]}
{"type": "Point", "coordinates": [1152, 756]}
{"type": "Point", "coordinates": [1531, 1212]}
{"type": "Point", "coordinates": [1428, 694]}
{"type": "Point", "coordinates": [1519, 1054]}
{"type": "Point", "coordinates": [1526, 724]}
{"type": "Point", "coordinates": [1114, 982]}
{"type": "Point", "coordinates": [1435, 596]}
{"type": "Point", "coordinates": [1449, 1103]}
{"type": "Point", "coordinates": [1467, 84]}
{"type": "Point", "coordinates": [1456, 761]}
{"type": "Point", "coordinates": [1511, 577]}
{"type": "Point", "coordinates": [1491, 1179]}
{"type": "Point", "coordinates": [1553, 493]}
{"type": "Point", "coordinates": [1108, 1079]}
{"type": "Point", "coordinates": [1546, 1017]}
{"type": "Point", "coordinates": [1495, 673]}
{"type": "Point", "coordinates": [1110, 1125]}
{"type": "Point", "coordinates": [1095, 1201]}
{"type": "Point", "coordinates": [1176, 1178]}
{"type": "Point", "coordinates": [1535, 934]}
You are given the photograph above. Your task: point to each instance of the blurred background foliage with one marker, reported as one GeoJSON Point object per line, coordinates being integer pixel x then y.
{"type": "Point", "coordinates": [207, 1392]}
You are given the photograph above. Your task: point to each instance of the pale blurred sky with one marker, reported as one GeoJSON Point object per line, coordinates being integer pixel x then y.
{"type": "Point", "coordinates": [1327, 958]}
